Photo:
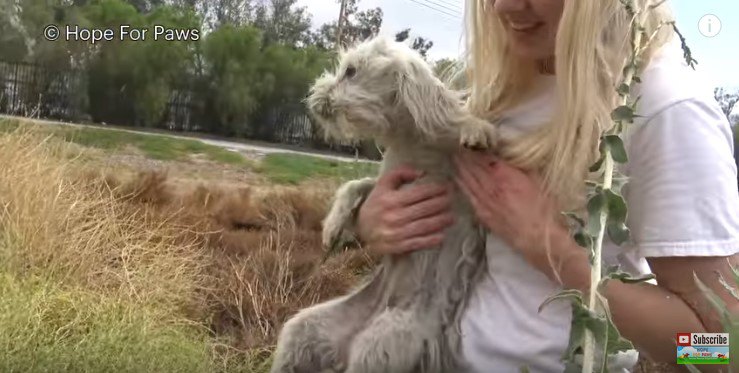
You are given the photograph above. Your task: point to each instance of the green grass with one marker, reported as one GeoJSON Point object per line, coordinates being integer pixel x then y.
{"type": "Point", "coordinates": [702, 361]}
{"type": "Point", "coordinates": [287, 168]}
{"type": "Point", "coordinates": [280, 168]}
{"type": "Point", "coordinates": [152, 146]}
{"type": "Point", "coordinates": [45, 328]}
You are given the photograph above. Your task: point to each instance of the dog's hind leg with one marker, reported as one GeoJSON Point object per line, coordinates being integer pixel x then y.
{"type": "Point", "coordinates": [394, 342]}
{"type": "Point", "coordinates": [316, 339]}
{"type": "Point", "coordinates": [308, 341]}
{"type": "Point", "coordinates": [339, 223]}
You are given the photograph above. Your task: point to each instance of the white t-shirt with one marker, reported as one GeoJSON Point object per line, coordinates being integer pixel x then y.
{"type": "Point", "coordinates": [682, 197]}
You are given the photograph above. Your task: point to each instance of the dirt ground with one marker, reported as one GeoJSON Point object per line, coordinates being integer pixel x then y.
{"type": "Point", "coordinates": [196, 168]}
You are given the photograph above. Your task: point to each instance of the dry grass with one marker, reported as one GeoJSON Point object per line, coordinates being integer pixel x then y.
{"type": "Point", "coordinates": [231, 260]}
{"type": "Point", "coordinates": [75, 231]}
{"type": "Point", "coordinates": [135, 257]}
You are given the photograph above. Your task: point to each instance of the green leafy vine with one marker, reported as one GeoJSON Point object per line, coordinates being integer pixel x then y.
{"type": "Point", "coordinates": [593, 337]}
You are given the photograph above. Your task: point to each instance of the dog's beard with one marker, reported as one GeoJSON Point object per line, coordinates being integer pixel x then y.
{"type": "Point", "coordinates": [352, 116]}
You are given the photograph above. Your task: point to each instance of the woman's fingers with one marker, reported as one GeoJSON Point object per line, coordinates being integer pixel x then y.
{"type": "Point", "coordinates": [397, 177]}
{"type": "Point", "coordinates": [423, 209]}
{"type": "Point", "coordinates": [418, 243]}
{"type": "Point", "coordinates": [417, 193]}
{"type": "Point", "coordinates": [421, 227]}
{"type": "Point", "coordinates": [472, 185]}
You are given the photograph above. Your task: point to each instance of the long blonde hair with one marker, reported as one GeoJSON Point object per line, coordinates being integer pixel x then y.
{"type": "Point", "coordinates": [592, 46]}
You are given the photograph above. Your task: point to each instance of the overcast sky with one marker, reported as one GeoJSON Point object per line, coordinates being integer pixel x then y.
{"type": "Point", "coordinates": [440, 21]}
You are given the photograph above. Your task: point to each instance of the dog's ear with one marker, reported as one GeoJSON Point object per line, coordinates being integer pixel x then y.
{"type": "Point", "coordinates": [429, 102]}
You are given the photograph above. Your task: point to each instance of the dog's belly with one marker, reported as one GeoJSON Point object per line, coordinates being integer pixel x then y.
{"type": "Point", "coordinates": [437, 278]}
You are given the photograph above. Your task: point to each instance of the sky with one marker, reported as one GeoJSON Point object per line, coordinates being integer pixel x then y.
{"type": "Point", "coordinates": [440, 21]}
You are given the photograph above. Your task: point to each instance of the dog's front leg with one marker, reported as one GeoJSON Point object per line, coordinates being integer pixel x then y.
{"type": "Point", "coordinates": [338, 225]}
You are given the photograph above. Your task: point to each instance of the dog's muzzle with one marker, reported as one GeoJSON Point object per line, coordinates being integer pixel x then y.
{"type": "Point", "coordinates": [321, 105]}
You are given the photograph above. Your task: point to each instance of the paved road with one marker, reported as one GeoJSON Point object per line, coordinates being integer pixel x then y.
{"type": "Point", "coordinates": [249, 149]}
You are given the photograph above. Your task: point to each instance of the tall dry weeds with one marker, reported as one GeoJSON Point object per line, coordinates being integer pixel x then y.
{"type": "Point", "coordinates": [77, 232]}
{"type": "Point", "coordinates": [236, 259]}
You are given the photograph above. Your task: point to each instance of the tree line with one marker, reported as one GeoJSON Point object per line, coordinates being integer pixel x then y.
{"type": "Point", "coordinates": [253, 59]}
{"type": "Point", "coordinates": [245, 76]}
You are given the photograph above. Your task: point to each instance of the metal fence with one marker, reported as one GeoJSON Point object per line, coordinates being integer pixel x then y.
{"type": "Point", "coordinates": [44, 92]}
{"type": "Point", "coordinates": [33, 91]}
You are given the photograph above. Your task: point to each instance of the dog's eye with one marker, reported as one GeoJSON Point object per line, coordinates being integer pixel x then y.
{"type": "Point", "coordinates": [350, 72]}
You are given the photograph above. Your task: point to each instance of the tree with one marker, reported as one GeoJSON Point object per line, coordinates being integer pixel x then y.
{"type": "Point", "coordinates": [727, 100]}
{"type": "Point", "coordinates": [420, 44]}
{"type": "Point", "coordinates": [145, 6]}
{"type": "Point", "coordinates": [283, 23]}
{"type": "Point", "coordinates": [218, 13]}
{"type": "Point", "coordinates": [365, 24]}
{"type": "Point", "coordinates": [232, 56]}
{"type": "Point", "coordinates": [358, 26]}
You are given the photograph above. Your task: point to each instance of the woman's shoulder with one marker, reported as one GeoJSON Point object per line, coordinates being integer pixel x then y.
{"type": "Point", "coordinates": [682, 188]}
{"type": "Point", "coordinates": [668, 80]}
{"type": "Point", "coordinates": [676, 99]}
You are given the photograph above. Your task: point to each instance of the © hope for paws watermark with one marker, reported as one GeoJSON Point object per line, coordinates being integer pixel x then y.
{"type": "Point", "coordinates": [120, 33]}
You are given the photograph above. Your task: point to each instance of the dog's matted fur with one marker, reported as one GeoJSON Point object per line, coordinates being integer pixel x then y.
{"type": "Point", "coordinates": [405, 318]}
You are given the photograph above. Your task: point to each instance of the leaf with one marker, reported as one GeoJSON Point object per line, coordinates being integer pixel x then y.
{"type": "Point", "coordinates": [731, 289]}
{"type": "Point", "coordinates": [715, 301]}
{"type": "Point", "coordinates": [572, 216]}
{"type": "Point", "coordinates": [618, 233]}
{"type": "Point", "coordinates": [687, 54]}
{"type": "Point", "coordinates": [627, 278]}
{"type": "Point", "coordinates": [525, 369]}
{"type": "Point", "coordinates": [580, 315]}
{"type": "Point", "coordinates": [607, 338]}
{"type": "Point", "coordinates": [596, 204]}
{"type": "Point", "coordinates": [572, 367]}
{"type": "Point", "coordinates": [618, 183]}
{"type": "Point", "coordinates": [575, 295]}
{"type": "Point", "coordinates": [616, 146]}
{"type": "Point", "coordinates": [623, 113]}
{"type": "Point", "coordinates": [593, 185]}
{"type": "Point", "coordinates": [583, 239]}
{"type": "Point", "coordinates": [617, 210]}
{"type": "Point", "coordinates": [597, 165]}
{"type": "Point", "coordinates": [623, 89]}
{"type": "Point", "coordinates": [605, 271]}
{"type": "Point", "coordinates": [616, 228]}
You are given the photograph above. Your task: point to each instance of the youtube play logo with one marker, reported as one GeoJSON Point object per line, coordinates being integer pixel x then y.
{"type": "Point", "coordinates": [683, 339]}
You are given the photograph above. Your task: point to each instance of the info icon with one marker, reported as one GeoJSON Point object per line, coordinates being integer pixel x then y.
{"type": "Point", "coordinates": [709, 25]}
{"type": "Point", "coordinates": [683, 339]}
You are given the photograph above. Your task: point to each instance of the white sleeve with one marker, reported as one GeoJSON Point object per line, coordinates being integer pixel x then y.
{"type": "Point", "coordinates": [682, 193]}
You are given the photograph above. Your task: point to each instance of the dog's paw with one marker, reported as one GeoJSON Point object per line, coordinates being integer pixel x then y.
{"type": "Point", "coordinates": [478, 135]}
{"type": "Point", "coordinates": [332, 237]}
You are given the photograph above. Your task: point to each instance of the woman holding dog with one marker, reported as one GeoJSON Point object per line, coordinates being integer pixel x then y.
{"type": "Point", "coordinates": [544, 71]}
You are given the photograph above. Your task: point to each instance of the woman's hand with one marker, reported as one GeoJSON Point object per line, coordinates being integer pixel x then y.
{"type": "Point", "coordinates": [394, 221]}
{"type": "Point", "coordinates": [513, 206]}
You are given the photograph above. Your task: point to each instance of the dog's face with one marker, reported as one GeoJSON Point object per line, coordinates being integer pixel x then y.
{"type": "Point", "coordinates": [368, 94]}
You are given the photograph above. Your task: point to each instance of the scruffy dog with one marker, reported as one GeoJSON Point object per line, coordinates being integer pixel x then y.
{"type": "Point", "coordinates": [405, 318]}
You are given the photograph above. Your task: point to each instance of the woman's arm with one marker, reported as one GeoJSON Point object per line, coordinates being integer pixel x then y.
{"type": "Point", "coordinates": [509, 202]}
{"type": "Point", "coordinates": [649, 315]}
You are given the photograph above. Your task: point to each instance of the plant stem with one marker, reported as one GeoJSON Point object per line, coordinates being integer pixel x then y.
{"type": "Point", "coordinates": [596, 271]}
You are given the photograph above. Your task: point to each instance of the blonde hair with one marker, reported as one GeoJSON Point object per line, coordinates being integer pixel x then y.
{"type": "Point", "coordinates": [592, 46]}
